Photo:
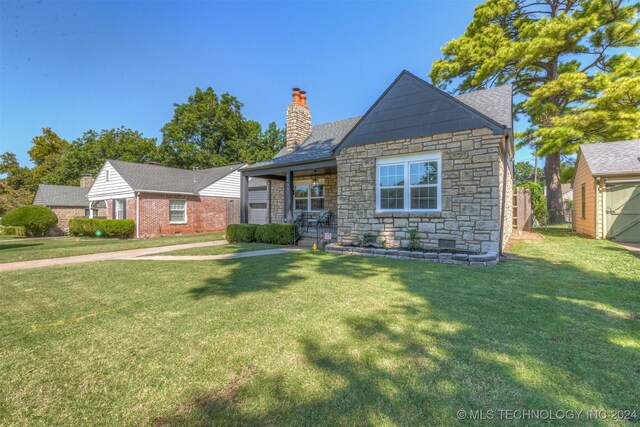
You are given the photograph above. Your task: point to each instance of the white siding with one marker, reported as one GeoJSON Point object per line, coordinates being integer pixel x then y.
{"type": "Point", "coordinates": [115, 188]}
{"type": "Point", "coordinates": [229, 186]}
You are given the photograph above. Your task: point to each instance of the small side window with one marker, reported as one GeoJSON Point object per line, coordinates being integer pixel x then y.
{"type": "Point", "coordinates": [107, 175]}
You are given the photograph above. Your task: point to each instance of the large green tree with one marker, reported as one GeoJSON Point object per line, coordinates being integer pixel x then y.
{"type": "Point", "coordinates": [88, 153]}
{"type": "Point", "coordinates": [46, 153]}
{"type": "Point", "coordinates": [17, 185]}
{"type": "Point", "coordinates": [210, 130]}
{"type": "Point", "coordinates": [565, 58]}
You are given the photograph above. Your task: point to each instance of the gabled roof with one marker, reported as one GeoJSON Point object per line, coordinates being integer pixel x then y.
{"type": "Point", "coordinates": [146, 177]}
{"type": "Point", "coordinates": [409, 100]}
{"type": "Point", "coordinates": [61, 195]}
{"type": "Point", "coordinates": [613, 158]}
{"type": "Point", "coordinates": [411, 108]}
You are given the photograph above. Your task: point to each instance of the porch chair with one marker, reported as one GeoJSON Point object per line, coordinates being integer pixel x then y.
{"type": "Point", "coordinates": [322, 218]}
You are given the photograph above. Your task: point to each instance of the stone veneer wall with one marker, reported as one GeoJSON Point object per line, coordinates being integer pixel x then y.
{"type": "Point", "coordinates": [65, 214]}
{"type": "Point", "coordinates": [330, 195]}
{"type": "Point", "coordinates": [470, 192]}
{"type": "Point", "coordinates": [508, 217]}
{"type": "Point", "coordinates": [277, 201]}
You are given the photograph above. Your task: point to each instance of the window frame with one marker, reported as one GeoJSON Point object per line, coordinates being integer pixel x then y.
{"type": "Point", "coordinates": [123, 204]}
{"type": "Point", "coordinates": [184, 204]}
{"type": "Point", "coordinates": [308, 183]}
{"type": "Point", "coordinates": [407, 160]}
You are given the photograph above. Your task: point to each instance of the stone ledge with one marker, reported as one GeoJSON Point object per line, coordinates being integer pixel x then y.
{"type": "Point", "coordinates": [480, 260]}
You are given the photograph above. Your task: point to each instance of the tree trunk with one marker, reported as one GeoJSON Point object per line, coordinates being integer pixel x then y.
{"type": "Point", "coordinates": [555, 204]}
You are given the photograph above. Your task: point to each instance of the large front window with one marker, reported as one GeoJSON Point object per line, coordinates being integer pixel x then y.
{"type": "Point", "coordinates": [410, 183]}
{"type": "Point", "coordinates": [308, 197]}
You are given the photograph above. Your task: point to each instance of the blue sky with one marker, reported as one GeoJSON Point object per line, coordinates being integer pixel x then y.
{"type": "Point", "coordinates": [74, 66]}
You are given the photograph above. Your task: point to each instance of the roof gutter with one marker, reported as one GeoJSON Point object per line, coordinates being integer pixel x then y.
{"type": "Point", "coordinates": [279, 165]}
{"type": "Point", "coordinates": [166, 192]}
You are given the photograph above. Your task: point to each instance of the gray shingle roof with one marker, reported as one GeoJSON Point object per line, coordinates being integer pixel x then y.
{"type": "Point", "coordinates": [145, 177]}
{"type": "Point", "coordinates": [319, 145]}
{"type": "Point", "coordinates": [61, 195]}
{"type": "Point", "coordinates": [613, 158]}
{"type": "Point", "coordinates": [495, 103]}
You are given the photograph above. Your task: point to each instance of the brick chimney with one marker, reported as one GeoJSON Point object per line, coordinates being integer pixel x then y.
{"type": "Point", "coordinates": [298, 120]}
{"type": "Point", "coordinates": [86, 180]}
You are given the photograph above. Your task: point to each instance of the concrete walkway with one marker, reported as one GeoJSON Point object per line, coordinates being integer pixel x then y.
{"type": "Point", "coordinates": [633, 247]}
{"type": "Point", "coordinates": [126, 254]}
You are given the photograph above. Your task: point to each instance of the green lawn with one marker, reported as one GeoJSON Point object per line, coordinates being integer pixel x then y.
{"type": "Point", "coordinates": [318, 339]}
{"type": "Point", "coordinates": [230, 248]}
{"type": "Point", "coordinates": [25, 249]}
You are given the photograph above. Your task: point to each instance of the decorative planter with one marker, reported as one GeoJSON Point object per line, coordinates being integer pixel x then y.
{"type": "Point", "coordinates": [475, 260]}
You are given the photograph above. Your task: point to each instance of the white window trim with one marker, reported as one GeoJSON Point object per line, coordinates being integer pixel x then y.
{"type": "Point", "coordinates": [185, 211]}
{"type": "Point", "coordinates": [406, 160]}
{"type": "Point", "coordinates": [309, 183]}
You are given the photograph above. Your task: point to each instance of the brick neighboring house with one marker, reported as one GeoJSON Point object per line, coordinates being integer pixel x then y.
{"type": "Point", "coordinates": [419, 158]}
{"type": "Point", "coordinates": [166, 201]}
{"type": "Point", "coordinates": [68, 202]}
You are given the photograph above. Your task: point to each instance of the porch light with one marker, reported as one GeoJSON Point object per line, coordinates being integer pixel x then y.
{"type": "Point", "coordinates": [314, 181]}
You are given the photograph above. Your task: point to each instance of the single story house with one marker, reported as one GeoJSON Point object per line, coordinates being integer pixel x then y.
{"type": "Point", "coordinates": [166, 201]}
{"type": "Point", "coordinates": [606, 184]}
{"type": "Point", "coordinates": [68, 202]}
{"type": "Point", "coordinates": [419, 158]}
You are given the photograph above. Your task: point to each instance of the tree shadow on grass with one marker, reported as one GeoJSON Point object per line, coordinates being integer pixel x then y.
{"type": "Point", "coordinates": [522, 335]}
{"type": "Point", "coordinates": [248, 275]}
{"type": "Point", "coordinates": [7, 246]}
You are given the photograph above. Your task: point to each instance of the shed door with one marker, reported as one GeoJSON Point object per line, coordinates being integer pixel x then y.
{"type": "Point", "coordinates": [623, 212]}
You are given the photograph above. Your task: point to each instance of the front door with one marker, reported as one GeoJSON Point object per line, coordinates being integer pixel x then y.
{"type": "Point", "coordinates": [623, 212]}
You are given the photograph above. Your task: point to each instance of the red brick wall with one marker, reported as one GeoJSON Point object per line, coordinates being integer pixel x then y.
{"type": "Point", "coordinates": [204, 214]}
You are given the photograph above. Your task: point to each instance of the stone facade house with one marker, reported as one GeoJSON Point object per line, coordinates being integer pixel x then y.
{"type": "Point", "coordinates": [606, 191]}
{"type": "Point", "coordinates": [167, 201]}
{"type": "Point", "coordinates": [418, 159]}
{"type": "Point", "coordinates": [68, 202]}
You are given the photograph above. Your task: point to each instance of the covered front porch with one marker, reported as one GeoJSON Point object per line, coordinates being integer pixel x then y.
{"type": "Point", "coordinates": [305, 195]}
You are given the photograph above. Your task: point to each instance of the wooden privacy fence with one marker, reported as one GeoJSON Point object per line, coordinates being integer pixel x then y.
{"type": "Point", "coordinates": [522, 211]}
{"type": "Point", "coordinates": [233, 212]}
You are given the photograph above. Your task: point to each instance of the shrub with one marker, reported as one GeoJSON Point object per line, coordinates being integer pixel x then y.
{"type": "Point", "coordinates": [366, 240]}
{"type": "Point", "coordinates": [36, 220]}
{"type": "Point", "coordinates": [279, 234]}
{"type": "Point", "coordinates": [414, 242]}
{"type": "Point", "coordinates": [241, 233]}
{"type": "Point", "coordinates": [538, 201]}
{"type": "Point", "coordinates": [13, 231]}
{"type": "Point", "coordinates": [121, 228]}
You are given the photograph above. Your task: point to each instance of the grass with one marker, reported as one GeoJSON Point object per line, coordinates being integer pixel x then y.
{"type": "Point", "coordinates": [230, 248]}
{"type": "Point", "coordinates": [319, 339]}
{"type": "Point", "coordinates": [26, 249]}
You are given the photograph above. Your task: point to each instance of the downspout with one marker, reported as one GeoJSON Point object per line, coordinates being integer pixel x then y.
{"type": "Point", "coordinates": [503, 208]}
{"type": "Point", "coordinates": [138, 215]}
{"type": "Point", "coordinates": [269, 201]}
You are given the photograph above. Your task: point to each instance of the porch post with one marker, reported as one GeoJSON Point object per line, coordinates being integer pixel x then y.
{"type": "Point", "coordinates": [288, 197]}
{"type": "Point", "coordinates": [90, 210]}
{"type": "Point", "coordinates": [244, 198]}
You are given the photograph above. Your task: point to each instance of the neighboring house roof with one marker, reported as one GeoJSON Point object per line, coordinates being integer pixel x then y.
{"type": "Point", "coordinates": [488, 107]}
{"type": "Point", "coordinates": [564, 188]}
{"type": "Point", "coordinates": [162, 179]}
{"type": "Point", "coordinates": [61, 195]}
{"type": "Point", "coordinates": [613, 158]}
